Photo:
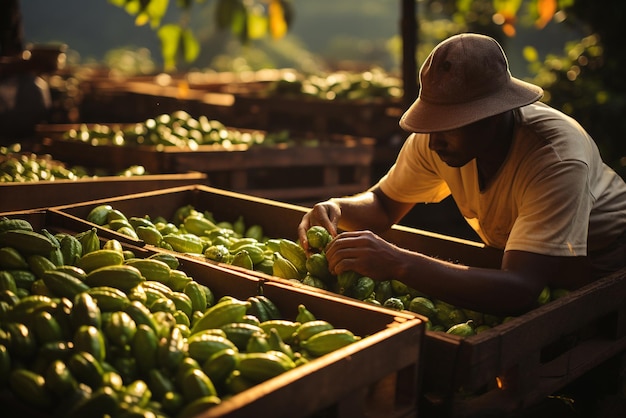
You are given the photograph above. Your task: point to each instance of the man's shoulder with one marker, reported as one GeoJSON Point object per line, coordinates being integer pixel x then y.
{"type": "Point", "coordinates": [538, 115]}
{"type": "Point", "coordinates": [549, 125]}
{"type": "Point", "coordinates": [538, 112]}
{"type": "Point", "coordinates": [548, 138]}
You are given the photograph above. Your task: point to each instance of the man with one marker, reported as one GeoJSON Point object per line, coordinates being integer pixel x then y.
{"type": "Point", "coordinates": [528, 179]}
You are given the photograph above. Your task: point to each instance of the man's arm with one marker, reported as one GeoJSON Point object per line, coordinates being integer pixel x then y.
{"type": "Point", "coordinates": [510, 290]}
{"type": "Point", "coordinates": [371, 210]}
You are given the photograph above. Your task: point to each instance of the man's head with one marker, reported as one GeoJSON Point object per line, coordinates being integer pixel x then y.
{"type": "Point", "coordinates": [465, 78]}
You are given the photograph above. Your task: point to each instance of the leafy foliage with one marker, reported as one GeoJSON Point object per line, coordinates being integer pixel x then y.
{"type": "Point", "coordinates": [590, 85]}
{"type": "Point", "coordinates": [245, 19]}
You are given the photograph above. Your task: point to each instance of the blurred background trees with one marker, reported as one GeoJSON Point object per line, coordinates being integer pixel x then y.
{"type": "Point", "coordinates": [569, 47]}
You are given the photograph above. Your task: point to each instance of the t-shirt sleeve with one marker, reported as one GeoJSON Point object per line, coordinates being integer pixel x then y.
{"type": "Point", "coordinates": [554, 212]}
{"type": "Point", "coordinates": [414, 177]}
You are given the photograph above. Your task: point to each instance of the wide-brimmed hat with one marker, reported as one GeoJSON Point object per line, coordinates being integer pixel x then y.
{"type": "Point", "coordinates": [464, 79]}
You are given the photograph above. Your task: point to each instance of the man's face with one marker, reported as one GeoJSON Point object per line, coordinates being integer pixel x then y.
{"type": "Point", "coordinates": [459, 146]}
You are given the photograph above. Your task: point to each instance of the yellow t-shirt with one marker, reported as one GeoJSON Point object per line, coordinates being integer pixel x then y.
{"type": "Point", "coordinates": [553, 194]}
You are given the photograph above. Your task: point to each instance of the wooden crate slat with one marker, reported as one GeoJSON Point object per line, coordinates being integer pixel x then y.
{"type": "Point", "coordinates": [45, 194]}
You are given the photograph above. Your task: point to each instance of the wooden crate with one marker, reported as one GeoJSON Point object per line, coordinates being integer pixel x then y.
{"type": "Point", "coordinates": [298, 173]}
{"type": "Point", "coordinates": [44, 194]}
{"type": "Point", "coordinates": [111, 100]}
{"type": "Point", "coordinates": [238, 100]}
{"type": "Point", "coordinates": [278, 219]}
{"type": "Point", "coordinates": [532, 356]}
{"type": "Point", "coordinates": [173, 85]}
{"type": "Point", "coordinates": [111, 157]}
{"type": "Point", "coordinates": [294, 173]}
{"type": "Point", "coordinates": [517, 364]}
{"type": "Point", "coordinates": [371, 118]}
{"type": "Point", "coordinates": [360, 380]}
{"type": "Point", "coordinates": [233, 99]}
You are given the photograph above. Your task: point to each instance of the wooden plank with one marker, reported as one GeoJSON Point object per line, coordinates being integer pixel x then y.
{"type": "Point", "coordinates": [531, 356]}
{"type": "Point", "coordinates": [558, 325]}
{"type": "Point", "coordinates": [369, 117]}
{"type": "Point", "coordinates": [207, 159]}
{"type": "Point", "coordinates": [114, 158]}
{"type": "Point", "coordinates": [569, 314]}
{"type": "Point", "coordinates": [505, 402]}
{"type": "Point", "coordinates": [340, 165]}
{"type": "Point", "coordinates": [311, 195]}
{"type": "Point", "coordinates": [442, 350]}
{"type": "Point", "coordinates": [44, 194]}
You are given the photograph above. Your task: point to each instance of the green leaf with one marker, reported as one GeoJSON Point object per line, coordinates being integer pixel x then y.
{"type": "Point", "coordinates": [463, 6]}
{"type": "Point", "coordinates": [142, 19]}
{"type": "Point", "coordinates": [257, 24]}
{"type": "Point", "coordinates": [170, 36]}
{"type": "Point", "coordinates": [156, 10]}
{"type": "Point", "coordinates": [133, 7]}
{"type": "Point", "coordinates": [191, 46]}
{"type": "Point", "coordinates": [530, 53]}
{"type": "Point", "coordinates": [507, 7]}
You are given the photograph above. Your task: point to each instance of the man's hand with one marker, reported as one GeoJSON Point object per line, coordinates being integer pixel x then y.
{"type": "Point", "coordinates": [324, 214]}
{"type": "Point", "coordinates": [366, 253]}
